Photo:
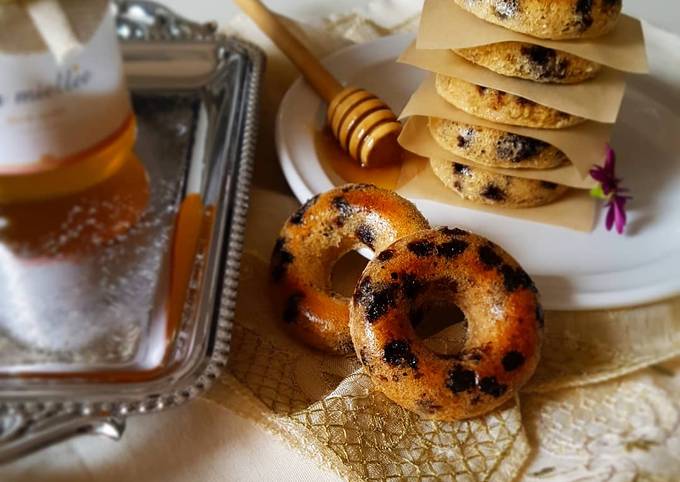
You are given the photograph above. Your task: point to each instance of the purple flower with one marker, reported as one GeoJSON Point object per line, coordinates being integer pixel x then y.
{"type": "Point", "coordinates": [611, 191]}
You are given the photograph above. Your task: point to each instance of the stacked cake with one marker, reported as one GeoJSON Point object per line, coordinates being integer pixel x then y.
{"type": "Point", "coordinates": [519, 106]}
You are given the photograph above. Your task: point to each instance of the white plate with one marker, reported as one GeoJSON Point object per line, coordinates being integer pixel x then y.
{"type": "Point", "coordinates": [573, 270]}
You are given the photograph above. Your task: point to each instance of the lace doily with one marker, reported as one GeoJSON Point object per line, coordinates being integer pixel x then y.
{"type": "Point", "coordinates": [568, 424]}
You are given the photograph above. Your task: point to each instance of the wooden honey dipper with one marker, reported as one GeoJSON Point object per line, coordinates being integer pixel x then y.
{"type": "Point", "coordinates": [363, 124]}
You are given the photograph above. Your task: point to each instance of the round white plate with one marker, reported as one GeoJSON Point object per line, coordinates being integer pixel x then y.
{"type": "Point", "coordinates": [573, 270]}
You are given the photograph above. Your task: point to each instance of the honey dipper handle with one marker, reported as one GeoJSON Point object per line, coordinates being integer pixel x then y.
{"type": "Point", "coordinates": [316, 74]}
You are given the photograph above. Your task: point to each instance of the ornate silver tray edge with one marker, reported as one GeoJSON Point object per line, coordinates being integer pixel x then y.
{"type": "Point", "coordinates": [27, 426]}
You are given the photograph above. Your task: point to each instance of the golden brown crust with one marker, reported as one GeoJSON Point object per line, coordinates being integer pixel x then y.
{"type": "Point", "coordinates": [503, 315]}
{"type": "Point", "coordinates": [494, 147]}
{"type": "Point", "coordinates": [486, 187]}
{"type": "Point", "coordinates": [498, 106]}
{"type": "Point", "coordinates": [314, 238]}
{"type": "Point", "coordinates": [531, 62]}
{"type": "Point", "coordinates": [556, 19]}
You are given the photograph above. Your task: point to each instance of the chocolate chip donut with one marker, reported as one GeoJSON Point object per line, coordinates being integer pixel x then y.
{"type": "Point", "coordinates": [493, 147]}
{"type": "Point", "coordinates": [498, 106]}
{"type": "Point", "coordinates": [531, 62]}
{"type": "Point", "coordinates": [549, 19]}
{"type": "Point", "coordinates": [501, 307]}
{"type": "Point", "coordinates": [314, 238]}
{"type": "Point", "coordinates": [486, 187]}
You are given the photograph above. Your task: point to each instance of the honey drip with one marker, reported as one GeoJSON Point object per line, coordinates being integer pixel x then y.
{"type": "Point", "coordinates": [334, 160]}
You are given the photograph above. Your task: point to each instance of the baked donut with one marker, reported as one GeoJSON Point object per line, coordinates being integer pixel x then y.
{"type": "Point", "coordinates": [498, 106]}
{"type": "Point", "coordinates": [501, 307]}
{"type": "Point", "coordinates": [487, 187]}
{"type": "Point", "coordinates": [494, 147]}
{"type": "Point", "coordinates": [531, 62]}
{"type": "Point", "coordinates": [549, 19]}
{"type": "Point", "coordinates": [314, 238]}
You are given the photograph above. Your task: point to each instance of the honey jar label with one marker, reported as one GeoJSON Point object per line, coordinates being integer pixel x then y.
{"type": "Point", "coordinates": [51, 111]}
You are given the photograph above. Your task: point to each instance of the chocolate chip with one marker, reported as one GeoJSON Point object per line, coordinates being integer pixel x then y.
{"type": "Point", "coordinates": [538, 55]}
{"type": "Point", "coordinates": [516, 148]}
{"type": "Point", "coordinates": [298, 216]}
{"type": "Point", "coordinates": [481, 89]}
{"type": "Point", "coordinates": [365, 234]}
{"type": "Point", "coordinates": [398, 353]}
{"type": "Point", "coordinates": [411, 286]}
{"type": "Point", "coordinates": [545, 63]}
{"type": "Point", "coordinates": [291, 309]}
{"type": "Point", "coordinates": [280, 260]}
{"type": "Point", "coordinates": [461, 169]}
{"type": "Point", "coordinates": [453, 231]}
{"type": "Point", "coordinates": [342, 206]}
{"type": "Point", "coordinates": [421, 248]}
{"type": "Point", "coordinates": [506, 8]}
{"type": "Point", "coordinates": [460, 379]}
{"type": "Point", "coordinates": [375, 299]}
{"type": "Point", "coordinates": [386, 255]}
{"type": "Point", "coordinates": [548, 185]}
{"type": "Point", "coordinates": [489, 257]}
{"type": "Point", "coordinates": [465, 135]}
{"type": "Point", "coordinates": [584, 11]}
{"type": "Point", "coordinates": [516, 278]}
{"type": "Point", "coordinates": [493, 193]}
{"type": "Point", "coordinates": [512, 361]}
{"type": "Point", "coordinates": [490, 386]}
{"type": "Point", "coordinates": [453, 248]}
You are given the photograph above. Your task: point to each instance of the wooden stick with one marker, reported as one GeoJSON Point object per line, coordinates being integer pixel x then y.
{"type": "Point", "coordinates": [316, 74]}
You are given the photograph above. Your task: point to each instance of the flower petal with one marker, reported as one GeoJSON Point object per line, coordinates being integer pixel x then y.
{"type": "Point", "coordinates": [620, 214]}
{"type": "Point", "coordinates": [610, 161]}
{"type": "Point", "coordinates": [609, 222]}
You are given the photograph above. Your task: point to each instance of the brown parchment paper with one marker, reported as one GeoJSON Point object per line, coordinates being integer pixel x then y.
{"type": "Point", "coordinates": [576, 210]}
{"type": "Point", "coordinates": [415, 137]}
{"type": "Point", "coordinates": [444, 25]}
{"type": "Point", "coordinates": [598, 99]}
{"type": "Point", "coordinates": [583, 144]}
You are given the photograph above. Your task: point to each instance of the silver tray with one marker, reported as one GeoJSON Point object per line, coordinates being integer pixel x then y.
{"type": "Point", "coordinates": [86, 341]}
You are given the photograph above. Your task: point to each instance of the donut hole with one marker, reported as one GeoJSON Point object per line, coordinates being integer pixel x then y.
{"type": "Point", "coordinates": [442, 326]}
{"type": "Point", "coordinates": [346, 273]}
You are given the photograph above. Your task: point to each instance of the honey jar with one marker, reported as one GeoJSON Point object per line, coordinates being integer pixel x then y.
{"type": "Point", "coordinates": [66, 122]}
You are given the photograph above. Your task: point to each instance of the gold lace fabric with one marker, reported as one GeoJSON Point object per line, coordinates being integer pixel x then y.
{"type": "Point", "coordinates": [594, 410]}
